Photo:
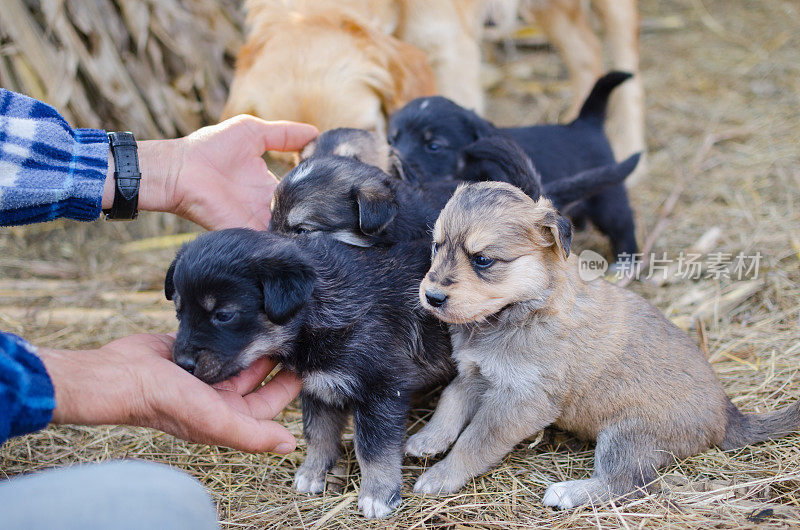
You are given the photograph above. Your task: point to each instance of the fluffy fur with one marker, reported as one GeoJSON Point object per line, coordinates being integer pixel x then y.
{"type": "Point", "coordinates": [349, 63]}
{"type": "Point", "coordinates": [535, 346]}
{"type": "Point", "coordinates": [345, 320]}
{"type": "Point", "coordinates": [430, 135]}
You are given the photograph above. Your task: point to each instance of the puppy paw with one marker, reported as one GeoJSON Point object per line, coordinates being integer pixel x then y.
{"type": "Point", "coordinates": [306, 481]}
{"type": "Point", "coordinates": [439, 480]}
{"type": "Point", "coordinates": [427, 442]}
{"type": "Point", "coordinates": [569, 494]}
{"type": "Point", "coordinates": [377, 507]}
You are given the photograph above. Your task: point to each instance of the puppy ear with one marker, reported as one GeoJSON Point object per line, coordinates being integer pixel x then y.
{"type": "Point", "coordinates": [287, 279]}
{"type": "Point", "coordinates": [376, 207]}
{"type": "Point", "coordinates": [560, 228]}
{"type": "Point", "coordinates": [169, 279]}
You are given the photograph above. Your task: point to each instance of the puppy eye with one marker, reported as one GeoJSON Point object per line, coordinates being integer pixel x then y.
{"type": "Point", "coordinates": [433, 146]}
{"type": "Point", "coordinates": [434, 247]}
{"type": "Point", "coordinates": [223, 317]}
{"type": "Point", "coordinates": [482, 262]}
{"type": "Point", "coordinates": [302, 229]}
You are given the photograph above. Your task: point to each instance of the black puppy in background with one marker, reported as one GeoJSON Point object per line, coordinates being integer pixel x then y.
{"type": "Point", "coordinates": [430, 133]}
{"type": "Point", "coordinates": [501, 159]}
{"type": "Point", "coordinates": [346, 320]}
{"type": "Point", "coordinates": [359, 204]}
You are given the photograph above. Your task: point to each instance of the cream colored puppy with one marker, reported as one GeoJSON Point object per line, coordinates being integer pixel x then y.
{"type": "Point", "coordinates": [537, 346]}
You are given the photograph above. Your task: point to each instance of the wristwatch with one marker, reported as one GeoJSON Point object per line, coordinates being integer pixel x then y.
{"type": "Point", "coordinates": [126, 177]}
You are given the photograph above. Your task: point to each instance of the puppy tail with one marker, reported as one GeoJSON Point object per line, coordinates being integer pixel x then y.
{"type": "Point", "coordinates": [745, 429]}
{"type": "Point", "coordinates": [589, 182]}
{"type": "Point", "coordinates": [594, 108]}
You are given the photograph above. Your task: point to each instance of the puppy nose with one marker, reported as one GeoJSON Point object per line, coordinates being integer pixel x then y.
{"type": "Point", "coordinates": [435, 298]}
{"type": "Point", "coordinates": [187, 362]}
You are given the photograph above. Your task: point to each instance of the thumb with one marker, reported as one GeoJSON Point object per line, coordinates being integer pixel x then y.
{"type": "Point", "coordinates": [280, 135]}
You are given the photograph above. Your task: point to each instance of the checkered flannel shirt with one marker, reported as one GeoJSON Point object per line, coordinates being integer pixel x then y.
{"type": "Point", "coordinates": [47, 170]}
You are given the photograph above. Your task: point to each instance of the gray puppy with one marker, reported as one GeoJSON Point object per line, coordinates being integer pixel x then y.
{"type": "Point", "coordinates": [537, 346]}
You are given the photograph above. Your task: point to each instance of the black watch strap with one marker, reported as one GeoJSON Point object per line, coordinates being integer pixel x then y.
{"type": "Point", "coordinates": [126, 177]}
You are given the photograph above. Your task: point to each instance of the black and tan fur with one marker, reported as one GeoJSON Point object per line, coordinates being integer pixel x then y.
{"type": "Point", "coordinates": [537, 346]}
{"type": "Point", "coordinates": [345, 319]}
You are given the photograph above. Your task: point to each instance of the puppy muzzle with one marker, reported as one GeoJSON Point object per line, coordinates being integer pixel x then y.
{"type": "Point", "coordinates": [202, 363]}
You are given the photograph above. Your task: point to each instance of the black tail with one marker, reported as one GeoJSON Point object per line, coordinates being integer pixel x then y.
{"type": "Point", "coordinates": [594, 108]}
{"type": "Point", "coordinates": [745, 429]}
{"type": "Point", "coordinates": [589, 182]}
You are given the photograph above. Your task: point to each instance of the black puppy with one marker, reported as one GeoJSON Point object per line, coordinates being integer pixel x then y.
{"type": "Point", "coordinates": [356, 203]}
{"type": "Point", "coordinates": [361, 205]}
{"type": "Point", "coordinates": [429, 134]}
{"type": "Point", "coordinates": [346, 320]}
{"type": "Point", "coordinates": [501, 159]}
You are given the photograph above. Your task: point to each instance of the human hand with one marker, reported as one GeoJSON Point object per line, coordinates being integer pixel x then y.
{"type": "Point", "coordinates": [134, 381]}
{"type": "Point", "coordinates": [216, 176]}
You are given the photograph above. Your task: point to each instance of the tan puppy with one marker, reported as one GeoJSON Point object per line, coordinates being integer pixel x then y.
{"type": "Point", "coordinates": [350, 63]}
{"type": "Point", "coordinates": [535, 345]}
{"type": "Point", "coordinates": [566, 24]}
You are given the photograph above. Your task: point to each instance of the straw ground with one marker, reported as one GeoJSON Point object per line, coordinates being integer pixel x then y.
{"type": "Point", "coordinates": [723, 108]}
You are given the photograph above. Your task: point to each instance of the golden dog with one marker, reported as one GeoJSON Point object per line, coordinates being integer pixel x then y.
{"type": "Point", "coordinates": [351, 63]}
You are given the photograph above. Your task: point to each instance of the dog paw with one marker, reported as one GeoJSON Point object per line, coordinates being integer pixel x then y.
{"type": "Point", "coordinates": [375, 507]}
{"type": "Point", "coordinates": [439, 480]}
{"type": "Point", "coordinates": [568, 495]}
{"type": "Point", "coordinates": [426, 443]}
{"type": "Point", "coordinates": [306, 482]}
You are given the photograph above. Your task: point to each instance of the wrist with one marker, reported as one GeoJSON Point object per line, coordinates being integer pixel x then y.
{"type": "Point", "coordinates": [159, 164]}
{"type": "Point", "coordinates": [90, 389]}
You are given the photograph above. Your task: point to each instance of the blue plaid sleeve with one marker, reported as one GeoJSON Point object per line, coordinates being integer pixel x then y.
{"type": "Point", "coordinates": [27, 398]}
{"type": "Point", "coordinates": [47, 169]}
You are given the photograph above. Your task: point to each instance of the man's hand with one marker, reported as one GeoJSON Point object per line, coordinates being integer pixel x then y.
{"type": "Point", "coordinates": [133, 381]}
{"type": "Point", "coordinates": [216, 176]}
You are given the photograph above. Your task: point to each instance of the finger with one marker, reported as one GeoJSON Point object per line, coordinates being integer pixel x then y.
{"type": "Point", "coordinates": [281, 135]}
{"type": "Point", "coordinates": [254, 436]}
{"type": "Point", "coordinates": [270, 399]}
{"type": "Point", "coordinates": [248, 379]}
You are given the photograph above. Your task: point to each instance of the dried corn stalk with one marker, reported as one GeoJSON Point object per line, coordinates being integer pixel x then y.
{"type": "Point", "coordinates": [159, 68]}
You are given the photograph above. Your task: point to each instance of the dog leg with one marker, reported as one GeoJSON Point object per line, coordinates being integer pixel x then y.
{"type": "Point", "coordinates": [379, 432]}
{"type": "Point", "coordinates": [626, 126]}
{"type": "Point", "coordinates": [624, 463]}
{"type": "Point", "coordinates": [449, 33]}
{"type": "Point", "coordinates": [322, 429]}
{"type": "Point", "coordinates": [456, 407]}
{"type": "Point", "coordinates": [500, 423]}
{"type": "Point", "coordinates": [566, 25]}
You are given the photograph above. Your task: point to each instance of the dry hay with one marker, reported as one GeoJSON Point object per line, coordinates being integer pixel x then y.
{"type": "Point", "coordinates": [726, 70]}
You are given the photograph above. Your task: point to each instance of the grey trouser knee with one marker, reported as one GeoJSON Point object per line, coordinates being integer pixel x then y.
{"type": "Point", "coordinates": [113, 495]}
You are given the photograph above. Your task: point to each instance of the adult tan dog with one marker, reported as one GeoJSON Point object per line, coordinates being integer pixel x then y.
{"type": "Point", "coordinates": [350, 63]}
{"type": "Point", "coordinates": [535, 345]}
{"type": "Point", "coordinates": [566, 25]}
